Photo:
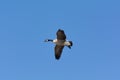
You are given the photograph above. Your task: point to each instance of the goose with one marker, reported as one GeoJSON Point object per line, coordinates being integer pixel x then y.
{"type": "Point", "coordinates": [60, 42]}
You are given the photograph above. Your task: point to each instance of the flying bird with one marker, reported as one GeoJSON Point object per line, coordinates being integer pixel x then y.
{"type": "Point", "coordinates": [60, 42]}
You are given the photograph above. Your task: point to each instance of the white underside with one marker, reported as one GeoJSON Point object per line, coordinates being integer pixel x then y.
{"type": "Point", "coordinates": [61, 42]}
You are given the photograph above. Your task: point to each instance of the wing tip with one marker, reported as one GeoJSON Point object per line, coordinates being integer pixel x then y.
{"type": "Point", "coordinates": [60, 30]}
{"type": "Point", "coordinates": [57, 57]}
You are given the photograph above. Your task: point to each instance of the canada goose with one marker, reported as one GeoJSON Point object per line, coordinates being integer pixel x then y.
{"type": "Point", "coordinates": [60, 43]}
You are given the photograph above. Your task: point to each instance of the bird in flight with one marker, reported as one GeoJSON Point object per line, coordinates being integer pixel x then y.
{"type": "Point", "coordinates": [60, 42]}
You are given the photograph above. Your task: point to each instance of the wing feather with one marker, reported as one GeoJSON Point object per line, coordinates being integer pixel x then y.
{"type": "Point", "coordinates": [58, 51]}
{"type": "Point", "coordinates": [61, 35]}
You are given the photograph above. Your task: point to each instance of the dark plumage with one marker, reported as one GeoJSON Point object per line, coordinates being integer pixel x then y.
{"type": "Point", "coordinates": [60, 43]}
{"type": "Point", "coordinates": [58, 51]}
{"type": "Point", "coordinates": [61, 35]}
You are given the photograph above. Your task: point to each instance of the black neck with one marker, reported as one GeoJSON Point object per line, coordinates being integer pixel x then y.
{"type": "Point", "coordinates": [50, 40]}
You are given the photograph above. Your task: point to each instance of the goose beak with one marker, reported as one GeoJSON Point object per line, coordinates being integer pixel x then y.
{"type": "Point", "coordinates": [46, 40]}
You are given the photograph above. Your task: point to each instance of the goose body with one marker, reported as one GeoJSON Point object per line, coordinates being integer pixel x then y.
{"type": "Point", "coordinates": [60, 42]}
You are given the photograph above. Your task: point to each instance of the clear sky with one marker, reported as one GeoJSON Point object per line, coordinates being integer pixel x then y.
{"type": "Point", "coordinates": [92, 25]}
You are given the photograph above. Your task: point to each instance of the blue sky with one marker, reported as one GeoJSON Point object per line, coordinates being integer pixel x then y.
{"type": "Point", "coordinates": [92, 25]}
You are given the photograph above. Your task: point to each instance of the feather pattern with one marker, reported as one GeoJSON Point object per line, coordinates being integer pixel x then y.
{"type": "Point", "coordinates": [58, 51]}
{"type": "Point", "coordinates": [61, 35]}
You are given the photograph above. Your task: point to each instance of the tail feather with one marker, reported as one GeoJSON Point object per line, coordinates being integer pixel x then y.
{"type": "Point", "coordinates": [71, 44]}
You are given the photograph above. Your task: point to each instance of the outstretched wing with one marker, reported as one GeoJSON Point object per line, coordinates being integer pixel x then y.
{"type": "Point", "coordinates": [58, 51]}
{"type": "Point", "coordinates": [61, 35]}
